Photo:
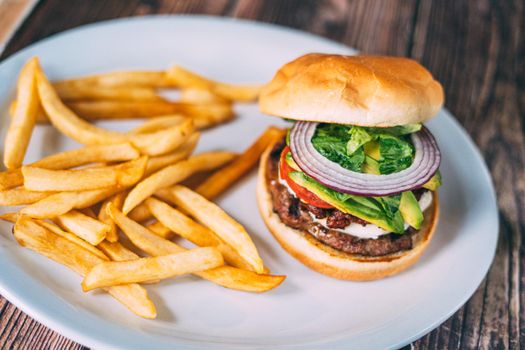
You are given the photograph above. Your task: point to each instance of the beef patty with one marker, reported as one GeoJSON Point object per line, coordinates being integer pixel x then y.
{"type": "Point", "coordinates": [296, 214]}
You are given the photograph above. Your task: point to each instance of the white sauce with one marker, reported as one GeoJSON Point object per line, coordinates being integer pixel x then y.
{"type": "Point", "coordinates": [370, 231]}
{"type": "Point", "coordinates": [425, 200]}
{"type": "Point", "coordinates": [285, 184]}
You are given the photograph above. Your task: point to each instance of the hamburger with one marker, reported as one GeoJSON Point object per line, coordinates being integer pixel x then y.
{"type": "Point", "coordinates": [351, 190]}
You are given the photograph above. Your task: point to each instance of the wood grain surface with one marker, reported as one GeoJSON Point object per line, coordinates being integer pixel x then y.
{"type": "Point", "coordinates": [12, 13]}
{"type": "Point", "coordinates": [475, 48]}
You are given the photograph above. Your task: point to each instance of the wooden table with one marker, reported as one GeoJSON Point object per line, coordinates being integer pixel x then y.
{"type": "Point", "coordinates": [475, 48]}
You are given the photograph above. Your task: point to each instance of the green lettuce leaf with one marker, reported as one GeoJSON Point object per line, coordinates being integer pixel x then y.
{"type": "Point", "coordinates": [331, 140]}
{"type": "Point", "coordinates": [358, 137]}
{"type": "Point", "coordinates": [399, 130]}
{"type": "Point", "coordinates": [343, 144]}
{"type": "Point", "coordinates": [397, 153]}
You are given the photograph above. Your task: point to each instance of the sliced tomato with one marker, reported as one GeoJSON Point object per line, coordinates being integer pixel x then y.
{"type": "Point", "coordinates": [301, 192]}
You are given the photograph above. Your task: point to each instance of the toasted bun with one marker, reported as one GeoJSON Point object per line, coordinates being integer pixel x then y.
{"type": "Point", "coordinates": [334, 263]}
{"type": "Point", "coordinates": [359, 90]}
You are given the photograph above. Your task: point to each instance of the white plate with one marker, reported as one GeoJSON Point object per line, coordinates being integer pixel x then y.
{"type": "Point", "coordinates": [309, 310]}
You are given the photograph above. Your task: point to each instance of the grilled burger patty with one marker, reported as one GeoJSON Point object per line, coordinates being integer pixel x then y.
{"type": "Point", "coordinates": [296, 214]}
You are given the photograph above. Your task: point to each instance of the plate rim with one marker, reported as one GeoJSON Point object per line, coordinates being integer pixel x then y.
{"type": "Point", "coordinates": [33, 309]}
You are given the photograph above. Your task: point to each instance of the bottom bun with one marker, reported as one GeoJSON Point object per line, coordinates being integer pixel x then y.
{"type": "Point", "coordinates": [332, 262]}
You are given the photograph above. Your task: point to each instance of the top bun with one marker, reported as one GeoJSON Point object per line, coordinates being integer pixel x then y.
{"type": "Point", "coordinates": [357, 90]}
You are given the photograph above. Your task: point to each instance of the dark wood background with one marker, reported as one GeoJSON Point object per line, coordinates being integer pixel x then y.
{"type": "Point", "coordinates": [475, 48]}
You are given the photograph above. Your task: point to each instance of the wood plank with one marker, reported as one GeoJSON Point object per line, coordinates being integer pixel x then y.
{"type": "Point", "coordinates": [53, 16]}
{"type": "Point", "coordinates": [357, 23]}
{"type": "Point", "coordinates": [475, 53]}
{"type": "Point", "coordinates": [12, 14]}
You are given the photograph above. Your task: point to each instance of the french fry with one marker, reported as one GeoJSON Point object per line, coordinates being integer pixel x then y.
{"type": "Point", "coordinates": [156, 163]}
{"type": "Point", "coordinates": [163, 141]}
{"type": "Point", "coordinates": [160, 123]}
{"type": "Point", "coordinates": [67, 122]}
{"type": "Point", "coordinates": [152, 79]}
{"type": "Point", "coordinates": [96, 110]}
{"type": "Point", "coordinates": [203, 117]}
{"type": "Point", "coordinates": [116, 273]}
{"type": "Point", "coordinates": [39, 179]}
{"type": "Point", "coordinates": [24, 117]}
{"type": "Point", "coordinates": [90, 154]}
{"type": "Point", "coordinates": [41, 116]}
{"type": "Point", "coordinates": [174, 174]}
{"type": "Point", "coordinates": [201, 236]}
{"type": "Point", "coordinates": [196, 95]}
{"type": "Point", "coordinates": [135, 298]}
{"type": "Point", "coordinates": [243, 280]}
{"type": "Point", "coordinates": [159, 229]}
{"type": "Point", "coordinates": [246, 93]}
{"type": "Point", "coordinates": [79, 130]}
{"type": "Point", "coordinates": [140, 213]}
{"type": "Point", "coordinates": [62, 202]}
{"type": "Point", "coordinates": [10, 179]}
{"type": "Point", "coordinates": [12, 109]}
{"type": "Point", "coordinates": [71, 237]}
{"type": "Point", "coordinates": [129, 173]}
{"type": "Point", "coordinates": [123, 175]}
{"type": "Point", "coordinates": [225, 177]}
{"type": "Point", "coordinates": [224, 226]}
{"type": "Point", "coordinates": [71, 159]}
{"type": "Point", "coordinates": [184, 79]}
{"type": "Point", "coordinates": [87, 92]}
{"type": "Point", "coordinates": [117, 252]}
{"type": "Point", "coordinates": [89, 212]}
{"type": "Point", "coordinates": [202, 96]}
{"type": "Point", "coordinates": [9, 217]}
{"type": "Point", "coordinates": [117, 200]}
{"type": "Point", "coordinates": [141, 237]}
{"type": "Point", "coordinates": [35, 237]}
{"type": "Point", "coordinates": [85, 227]}
{"type": "Point", "coordinates": [225, 276]}
{"type": "Point", "coordinates": [206, 122]}
{"type": "Point", "coordinates": [21, 196]}
{"type": "Point", "coordinates": [30, 234]}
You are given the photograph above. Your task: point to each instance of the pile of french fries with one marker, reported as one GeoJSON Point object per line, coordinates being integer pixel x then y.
{"type": "Point", "coordinates": [77, 205]}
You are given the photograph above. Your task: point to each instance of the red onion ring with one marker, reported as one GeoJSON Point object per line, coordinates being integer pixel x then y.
{"type": "Point", "coordinates": [425, 164]}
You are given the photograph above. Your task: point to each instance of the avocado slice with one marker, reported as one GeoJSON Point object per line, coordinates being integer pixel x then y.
{"type": "Point", "coordinates": [371, 166]}
{"type": "Point", "coordinates": [434, 182]}
{"type": "Point", "coordinates": [372, 150]}
{"type": "Point", "coordinates": [291, 163]}
{"type": "Point", "coordinates": [410, 210]}
{"type": "Point", "coordinates": [366, 208]}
